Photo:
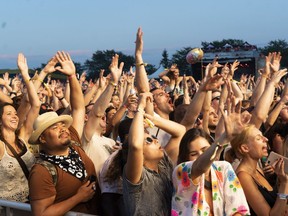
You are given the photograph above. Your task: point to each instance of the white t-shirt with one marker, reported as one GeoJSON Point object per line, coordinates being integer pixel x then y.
{"type": "Point", "coordinates": [115, 187]}
{"type": "Point", "coordinates": [99, 148]}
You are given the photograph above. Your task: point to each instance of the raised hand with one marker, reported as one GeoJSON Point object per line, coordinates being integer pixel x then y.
{"type": "Point", "coordinates": [143, 98]}
{"type": "Point", "coordinates": [213, 83]}
{"type": "Point", "coordinates": [6, 78]}
{"type": "Point", "coordinates": [58, 92]}
{"type": "Point", "coordinates": [276, 77]}
{"type": "Point", "coordinates": [232, 118]}
{"type": "Point", "coordinates": [102, 79]}
{"type": "Point", "coordinates": [233, 68]}
{"type": "Point", "coordinates": [116, 70]}
{"type": "Point", "coordinates": [67, 65]}
{"type": "Point", "coordinates": [266, 71]}
{"type": "Point", "coordinates": [22, 63]}
{"type": "Point", "coordinates": [139, 42]}
{"type": "Point", "coordinates": [50, 66]}
{"type": "Point", "coordinates": [225, 71]}
{"type": "Point", "coordinates": [83, 77]}
{"type": "Point", "coordinates": [275, 64]}
{"type": "Point", "coordinates": [213, 68]}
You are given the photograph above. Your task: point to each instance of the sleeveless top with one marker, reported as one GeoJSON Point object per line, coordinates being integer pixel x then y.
{"type": "Point", "coordinates": [269, 196]}
{"type": "Point", "coordinates": [13, 183]}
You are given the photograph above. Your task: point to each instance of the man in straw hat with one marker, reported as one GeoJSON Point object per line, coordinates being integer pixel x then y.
{"type": "Point", "coordinates": [75, 186]}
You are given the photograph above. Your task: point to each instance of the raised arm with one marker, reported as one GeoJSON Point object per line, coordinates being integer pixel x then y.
{"type": "Point", "coordinates": [135, 159]}
{"type": "Point", "coordinates": [197, 102]}
{"type": "Point", "coordinates": [98, 110]}
{"type": "Point", "coordinates": [265, 75]}
{"type": "Point", "coordinates": [275, 112]}
{"type": "Point", "coordinates": [262, 107]}
{"type": "Point", "coordinates": [142, 83]}
{"type": "Point", "coordinates": [76, 97]}
{"type": "Point", "coordinates": [27, 128]}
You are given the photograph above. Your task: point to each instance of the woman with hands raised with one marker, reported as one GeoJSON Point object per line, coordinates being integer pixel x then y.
{"type": "Point", "coordinates": [203, 185]}
{"type": "Point", "coordinates": [147, 186]}
{"type": "Point", "coordinates": [14, 142]}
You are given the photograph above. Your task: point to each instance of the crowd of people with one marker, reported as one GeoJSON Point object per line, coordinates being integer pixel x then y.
{"type": "Point", "coordinates": [127, 145]}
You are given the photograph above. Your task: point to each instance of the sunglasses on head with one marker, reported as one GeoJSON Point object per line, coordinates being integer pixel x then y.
{"type": "Point", "coordinates": [149, 140]}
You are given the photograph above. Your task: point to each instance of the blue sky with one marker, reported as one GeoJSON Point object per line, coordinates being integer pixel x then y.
{"type": "Point", "coordinates": [39, 28]}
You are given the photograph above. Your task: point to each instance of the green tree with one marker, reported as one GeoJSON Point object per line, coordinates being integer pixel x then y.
{"type": "Point", "coordinates": [277, 46]}
{"type": "Point", "coordinates": [150, 69]}
{"type": "Point", "coordinates": [165, 62]}
{"type": "Point", "coordinates": [102, 59]}
{"type": "Point", "coordinates": [179, 58]}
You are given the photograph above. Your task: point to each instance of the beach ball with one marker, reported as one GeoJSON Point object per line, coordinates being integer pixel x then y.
{"type": "Point", "coordinates": [194, 55]}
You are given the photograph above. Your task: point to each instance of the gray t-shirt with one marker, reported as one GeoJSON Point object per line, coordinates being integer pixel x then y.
{"type": "Point", "coordinates": [153, 194]}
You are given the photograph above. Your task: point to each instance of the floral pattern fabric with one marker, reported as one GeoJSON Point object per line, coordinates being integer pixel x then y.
{"type": "Point", "coordinates": [227, 193]}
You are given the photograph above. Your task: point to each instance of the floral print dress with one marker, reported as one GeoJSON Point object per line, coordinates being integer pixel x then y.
{"type": "Point", "coordinates": [227, 193]}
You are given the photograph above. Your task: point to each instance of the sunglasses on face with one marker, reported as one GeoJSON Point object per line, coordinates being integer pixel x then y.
{"type": "Point", "coordinates": [216, 98]}
{"type": "Point", "coordinates": [149, 140]}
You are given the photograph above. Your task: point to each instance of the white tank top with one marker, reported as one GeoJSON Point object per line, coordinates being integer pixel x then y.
{"type": "Point", "coordinates": [13, 183]}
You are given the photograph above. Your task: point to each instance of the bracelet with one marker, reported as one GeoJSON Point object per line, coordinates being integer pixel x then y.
{"type": "Point", "coordinates": [142, 63]}
{"type": "Point", "coordinates": [60, 99]}
{"type": "Point", "coordinates": [282, 196]}
{"type": "Point", "coordinates": [113, 84]}
{"type": "Point", "coordinates": [71, 76]}
{"type": "Point", "coordinates": [141, 111]}
{"type": "Point", "coordinates": [27, 80]}
{"type": "Point", "coordinates": [218, 146]}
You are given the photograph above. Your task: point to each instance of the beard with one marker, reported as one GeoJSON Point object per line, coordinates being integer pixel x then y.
{"type": "Point", "coordinates": [67, 142]}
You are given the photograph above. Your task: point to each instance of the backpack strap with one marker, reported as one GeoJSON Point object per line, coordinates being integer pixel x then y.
{"type": "Point", "coordinates": [51, 169]}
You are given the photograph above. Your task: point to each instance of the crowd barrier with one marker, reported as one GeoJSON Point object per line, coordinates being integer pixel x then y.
{"type": "Point", "coordinates": [11, 208]}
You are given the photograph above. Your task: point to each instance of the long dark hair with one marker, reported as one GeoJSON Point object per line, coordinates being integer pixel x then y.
{"type": "Point", "coordinates": [188, 137]}
{"type": "Point", "coordinates": [117, 164]}
{"type": "Point", "coordinates": [16, 132]}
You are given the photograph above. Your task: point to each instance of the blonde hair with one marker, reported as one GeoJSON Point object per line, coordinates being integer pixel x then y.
{"type": "Point", "coordinates": [236, 143]}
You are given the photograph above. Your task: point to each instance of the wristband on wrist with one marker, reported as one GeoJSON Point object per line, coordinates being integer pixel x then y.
{"type": "Point", "coordinates": [60, 99]}
{"type": "Point", "coordinates": [140, 110]}
{"type": "Point", "coordinates": [141, 63]}
{"type": "Point", "coordinates": [282, 196]}
{"type": "Point", "coordinates": [113, 84]}
{"type": "Point", "coordinates": [218, 146]}
{"type": "Point", "coordinates": [71, 76]}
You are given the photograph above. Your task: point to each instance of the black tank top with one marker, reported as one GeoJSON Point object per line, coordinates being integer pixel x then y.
{"type": "Point", "coordinates": [269, 196]}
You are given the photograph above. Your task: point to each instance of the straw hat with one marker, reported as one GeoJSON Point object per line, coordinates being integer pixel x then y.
{"type": "Point", "coordinates": [46, 120]}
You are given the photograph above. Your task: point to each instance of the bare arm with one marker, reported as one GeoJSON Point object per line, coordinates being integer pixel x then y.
{"type": "Point", "coordinates": [274, 114]}
{"type": "Point", "coordinates": [256, 199]}
{"type": "Point", "coordinates": [142, 83]}
{"type": "Point", "coordinates": [135, 159]}
{"type": "Point", "coordinates": [262, 107]}
{"type": "Point", "coordinates": [76, 96]}
{"type": "Point", "coordinates": [33, 112]}
{"type": "Point", "coordinates": [197, 102]}
{"type": "Point", "coordinates": [265, 74]}
{"type": "Point", "coordinates": [102, 102]}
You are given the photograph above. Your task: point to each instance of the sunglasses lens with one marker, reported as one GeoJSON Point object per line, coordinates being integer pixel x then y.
{"type": "Point", "coordinates": [149, 140]}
